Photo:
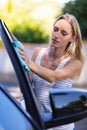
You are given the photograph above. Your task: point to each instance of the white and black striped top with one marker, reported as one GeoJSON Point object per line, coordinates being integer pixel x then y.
{"type": "Point", "coordinates": [42, 88]}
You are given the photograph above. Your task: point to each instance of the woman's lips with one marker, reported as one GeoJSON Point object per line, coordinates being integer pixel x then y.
{"type": "Point", "coordinates": [55, 41]}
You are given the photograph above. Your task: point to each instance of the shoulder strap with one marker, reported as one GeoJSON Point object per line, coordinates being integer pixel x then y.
{"type": "Point", "coordinates": [63, 62]}
{"type": "Point", "coordinates": [40, 55]}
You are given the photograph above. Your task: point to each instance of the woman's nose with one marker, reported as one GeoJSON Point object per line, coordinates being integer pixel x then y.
{"type": "Point", "coordinates": [57, 34]}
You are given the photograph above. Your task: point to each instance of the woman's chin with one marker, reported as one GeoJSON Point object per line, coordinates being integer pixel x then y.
{"type": "Point", "coordinates": [55, 44]}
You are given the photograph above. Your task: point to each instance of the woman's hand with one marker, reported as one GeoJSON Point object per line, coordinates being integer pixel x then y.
{"type": "Point", "coordinates": [23, 55]}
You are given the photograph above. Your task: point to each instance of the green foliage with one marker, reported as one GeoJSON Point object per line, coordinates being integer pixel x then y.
{"type": "Point", "coordinates": [30, 21]}
{"type": "Point", "coordinates": [79, 9]}
{"type": "Point", "coordinates": [30, 34]}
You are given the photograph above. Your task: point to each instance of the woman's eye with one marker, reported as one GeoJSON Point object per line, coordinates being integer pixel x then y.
{"type": "Point", "coordinates": [55, 29]}
{"type": "Point", "coordinates": [64, 33]}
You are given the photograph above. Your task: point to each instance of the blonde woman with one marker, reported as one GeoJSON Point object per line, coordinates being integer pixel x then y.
{"type": "Point", "coordinates": [58, 65]}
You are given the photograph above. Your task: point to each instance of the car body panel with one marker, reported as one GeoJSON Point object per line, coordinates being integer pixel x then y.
{"type": "Point", "coordinates": [12, 116]}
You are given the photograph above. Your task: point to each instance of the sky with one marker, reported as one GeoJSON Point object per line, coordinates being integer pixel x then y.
{"type": "Point", "coordinates": [63, 1]}
{"type": "Point", "coordinates": [60, 1]}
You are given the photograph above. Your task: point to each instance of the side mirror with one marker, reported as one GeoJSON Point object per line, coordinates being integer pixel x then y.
{"type": "Point", "coordinates": [68, 105]}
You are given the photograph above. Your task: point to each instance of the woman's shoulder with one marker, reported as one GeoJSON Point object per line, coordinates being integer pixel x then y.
{"type": "Point", "coordinates": [35, 53]}
{"type": "Point", "coordinates": [75, 61]}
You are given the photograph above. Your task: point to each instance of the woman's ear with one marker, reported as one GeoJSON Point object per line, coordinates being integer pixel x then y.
{"type": "Point", "coordinates": [73, 38]}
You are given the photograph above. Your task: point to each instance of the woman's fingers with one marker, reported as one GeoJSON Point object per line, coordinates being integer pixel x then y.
{"type": "Point", "coordinates": [23, 54]}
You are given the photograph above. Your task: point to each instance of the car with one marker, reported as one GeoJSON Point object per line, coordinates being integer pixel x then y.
{"type": "Point", "coordinates": [68, 105]}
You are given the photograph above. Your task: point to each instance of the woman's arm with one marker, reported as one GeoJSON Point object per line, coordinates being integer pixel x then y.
{"type": "Point", "coordinates": [33, 58]}
{"type": "Point", "coordinates": [70, 70]}
{"type": "Point", "coordinates": [24, 56]}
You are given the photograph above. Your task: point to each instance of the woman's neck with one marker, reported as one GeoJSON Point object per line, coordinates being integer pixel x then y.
{"type": "Point", "coordinates": [56, 52]}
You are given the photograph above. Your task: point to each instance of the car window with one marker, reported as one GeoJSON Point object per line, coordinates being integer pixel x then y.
{"type": "Point", "coordinates": [7, 75]}
{"type": "Point", "coordinates": [32, 106]}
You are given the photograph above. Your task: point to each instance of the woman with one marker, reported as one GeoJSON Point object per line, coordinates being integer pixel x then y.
{"type": "Point", "coordinates": [58, 65]}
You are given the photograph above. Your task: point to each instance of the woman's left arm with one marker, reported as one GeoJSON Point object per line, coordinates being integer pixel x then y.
{"type": "Point", "coordinates": [70, 70]}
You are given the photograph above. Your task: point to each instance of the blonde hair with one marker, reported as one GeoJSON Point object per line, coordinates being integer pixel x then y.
{"type": "Point", "coordinates": [74, 48]}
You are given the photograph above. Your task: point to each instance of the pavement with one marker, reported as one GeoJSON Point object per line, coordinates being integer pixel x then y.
{"type": "Point", "coordinates": [8, 77]}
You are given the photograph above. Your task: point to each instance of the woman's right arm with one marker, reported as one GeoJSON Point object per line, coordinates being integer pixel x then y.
{"type": "Point", "coordinates": [33, 58]}
{"type": "Point", "coordinates": [35, 53]}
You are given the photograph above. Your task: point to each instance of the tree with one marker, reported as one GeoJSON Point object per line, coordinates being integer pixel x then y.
{"type": "Point", "coordinates": [79, 9]}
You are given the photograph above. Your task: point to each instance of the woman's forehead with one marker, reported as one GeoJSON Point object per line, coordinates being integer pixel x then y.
{"type": "Point", "coordinates": [63, 24]}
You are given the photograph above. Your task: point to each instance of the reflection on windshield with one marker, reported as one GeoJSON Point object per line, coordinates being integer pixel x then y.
{"type": "Point", "coordinates": [67, 103]}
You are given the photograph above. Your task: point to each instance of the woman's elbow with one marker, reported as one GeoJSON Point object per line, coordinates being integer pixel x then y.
{"type": "Point", "coordinates": [53, 79]}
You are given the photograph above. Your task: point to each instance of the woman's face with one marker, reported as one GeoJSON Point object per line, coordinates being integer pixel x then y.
{"type": "Point", "coordinates": [61, 34]}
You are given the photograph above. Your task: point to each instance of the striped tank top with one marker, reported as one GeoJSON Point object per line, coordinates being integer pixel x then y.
{"type": "Point", "coordinates": [42, 88]}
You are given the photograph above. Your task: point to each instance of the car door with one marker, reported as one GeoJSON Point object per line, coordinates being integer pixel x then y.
{"type": "Point", "coordinates": [12, 116]}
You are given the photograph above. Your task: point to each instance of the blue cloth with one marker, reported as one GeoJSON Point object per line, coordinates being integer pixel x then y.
{"type": "Point", "coordinates": [16, 44]}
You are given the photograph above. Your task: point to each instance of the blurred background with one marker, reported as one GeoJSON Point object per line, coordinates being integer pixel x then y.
{"type": "Point", "coordinates": [31, 22]}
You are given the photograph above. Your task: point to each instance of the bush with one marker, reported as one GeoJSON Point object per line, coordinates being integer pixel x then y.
{"type": "Point", "coordinates": [25, 33]}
